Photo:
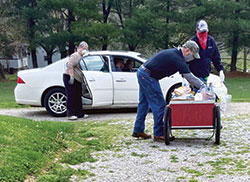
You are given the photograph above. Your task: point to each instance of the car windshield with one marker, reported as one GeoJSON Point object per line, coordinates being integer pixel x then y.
{"type": "Point", "coordinates": [143, 56]}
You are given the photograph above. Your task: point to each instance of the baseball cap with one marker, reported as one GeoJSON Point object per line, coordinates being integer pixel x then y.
{"type": "Point", "coordinates": [193, 46]}
{"type": "Point", "coordinates": [202, 26]}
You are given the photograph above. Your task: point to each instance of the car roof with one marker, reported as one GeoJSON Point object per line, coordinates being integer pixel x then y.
{"type": "Point", "coordinates": [56, 65]}
{"type": "Point", "coordinates": [122, 53]}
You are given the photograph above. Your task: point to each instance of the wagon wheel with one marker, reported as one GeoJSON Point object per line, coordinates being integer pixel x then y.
{"type": "Point", "coordinates": [167, 119]}
{"type": "Point", "coordinates": [217, 125]}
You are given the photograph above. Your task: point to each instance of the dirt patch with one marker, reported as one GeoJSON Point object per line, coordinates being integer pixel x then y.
{"type": "Point", "coordinates": [238, 74]}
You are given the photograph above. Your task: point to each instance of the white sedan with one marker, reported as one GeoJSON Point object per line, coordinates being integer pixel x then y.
{"type": "Point", "coordinates": [104, 87]}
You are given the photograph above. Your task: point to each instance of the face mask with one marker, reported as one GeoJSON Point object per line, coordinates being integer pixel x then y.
{"type": "Point", "coordinates": [84, 51]}
{"type": "Point", "coordinates": [202, 37]}
{"type": "Point", "coordinates": [189, 57]}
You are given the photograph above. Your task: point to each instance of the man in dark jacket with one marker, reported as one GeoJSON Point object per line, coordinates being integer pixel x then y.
{"type": "Point", "coordinates": [208, 52]}
{"type": "Point", "coordinates": [162, 64]}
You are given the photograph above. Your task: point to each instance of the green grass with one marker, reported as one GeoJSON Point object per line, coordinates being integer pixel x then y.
{"type": "Point", "coordinates": [7, 99]}
{"type": "Point", "coordinates": [139, 155]}
{"type": "Point", "coordinates": [239, 89]}
{"type": "Point", "coordinates": [29, 148]}
{"type": "Point", "coordinates": [27, 145]}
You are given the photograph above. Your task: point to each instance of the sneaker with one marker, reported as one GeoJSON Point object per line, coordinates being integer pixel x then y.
{"type": "Point", "coordinates": [85, 116]}
{"type": "Point", "coordinates": [72, 117]}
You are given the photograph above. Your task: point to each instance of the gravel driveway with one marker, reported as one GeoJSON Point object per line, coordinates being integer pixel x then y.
{"type": "Point", "coordinates": [191, 157]}
{"type": "Point", "coordinates": [38, 113]}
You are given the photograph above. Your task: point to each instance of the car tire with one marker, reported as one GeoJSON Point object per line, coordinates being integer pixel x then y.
{"type": "Point", "coordinates": [55, 102]}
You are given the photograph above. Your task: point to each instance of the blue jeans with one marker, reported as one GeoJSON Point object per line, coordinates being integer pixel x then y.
{"type": "Point", "coordinates": [150, 96]}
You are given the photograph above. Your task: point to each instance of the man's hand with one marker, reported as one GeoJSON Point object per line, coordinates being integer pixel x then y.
{"type": "Point", "coordinates": [71, 80]}
{"type": "Point", "coordinates": [222, 76]}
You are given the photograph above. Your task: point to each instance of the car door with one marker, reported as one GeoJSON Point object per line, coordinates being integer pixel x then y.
{"type": "Point", "coordinates": [98, 79]}
{"type": "Point", "coordinates": [126, 88]}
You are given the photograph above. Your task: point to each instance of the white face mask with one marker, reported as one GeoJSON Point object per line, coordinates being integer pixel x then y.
{"type": "Point", "coordinates": [189, 57]}
{"type": "Point", "coordinates": [84, 51]}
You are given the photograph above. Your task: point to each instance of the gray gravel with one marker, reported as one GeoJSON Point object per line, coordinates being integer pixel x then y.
{"type": "Point", "coordinates": [40, 114]}
{"type": "Point", "coordinates": [191, 157]}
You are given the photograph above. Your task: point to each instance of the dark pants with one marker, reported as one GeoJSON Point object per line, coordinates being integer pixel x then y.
{"type": "Point", "coordinates": [74, 97]}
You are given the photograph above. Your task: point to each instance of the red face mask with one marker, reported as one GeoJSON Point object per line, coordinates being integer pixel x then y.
{"type": "Point", "coordinates": [202, 37]}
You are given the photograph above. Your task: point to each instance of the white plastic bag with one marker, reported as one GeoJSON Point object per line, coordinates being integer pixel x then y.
{"type": "Point", "coordinates": [224, 101]}
{"type": "Point", "coordinates": [221, 91]}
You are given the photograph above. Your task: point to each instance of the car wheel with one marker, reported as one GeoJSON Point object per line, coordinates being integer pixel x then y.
{"type": "Point", "coordinates": [170, 91]}
{"type": "Point", "coordinates": [55, 102]}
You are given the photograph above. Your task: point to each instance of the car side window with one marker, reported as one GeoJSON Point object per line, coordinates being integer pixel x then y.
{"type": "Point", "coordinates": [93, 63]}
{"type": "Point", "coordinates": [131, 64]}
{"type": "Point", "coordinates": [105, 67]}
{"type": "Point", "coordinates": [124, 64]}
{"type": "Point", "coordinates": [137, 64]}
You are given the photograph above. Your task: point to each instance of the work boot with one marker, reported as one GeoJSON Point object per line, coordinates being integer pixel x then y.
{"type": "Point", "coordinates": [162, 138]}
{"type": "Point", "coordinates": [141, 135]}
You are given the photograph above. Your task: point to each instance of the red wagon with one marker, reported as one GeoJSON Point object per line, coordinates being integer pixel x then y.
{"type": "Point", "coordinates": [192, 115]}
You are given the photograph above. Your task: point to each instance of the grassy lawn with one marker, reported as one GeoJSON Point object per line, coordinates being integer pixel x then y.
{"type": "Point", "coordinates": [239, 89]}
{"type": "Point", "coordinates": [29, 148]}
{"type": "Point", "coordinates": [26, 146]}
{"type": "Point", "coordinates": [7, 99]}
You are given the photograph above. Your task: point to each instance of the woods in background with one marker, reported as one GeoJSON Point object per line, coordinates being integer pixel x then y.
{"type": "Point", "coordinates": [137, 25]}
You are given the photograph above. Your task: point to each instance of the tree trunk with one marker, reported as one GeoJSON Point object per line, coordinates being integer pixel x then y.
{"type": "Point", "coordinates": [234, 52]}
{"type": "Point", "coordinates": [34, 58]}
{"type": "Point", "coordinates": [105, 45]}
{"type": "Point", "coordinates": [245, 60]}
{"type": "Point", "coordinates": [130, 9]}
{"type": "Point", "coordinates": [71, 47]}
{"type": "Point", "coordinates": [2, 75]}
{"type": "Point", "coordinates": [235, 43]}
{"type": "Point", "coordinates": [119, 12]}
{"type": "Point", "coordinates": [20, 55]}
{"type": "Point", "coordinates": [166, 31]}
{"type": "Point", "coordinates": [72, 41]}
{"type": "Point", "coordinates": [63, 53]}
{"type": "Point", "coordinates": [131, 47]}
{"type": "Point", "coordinates": [49, 55]}
{"type": "Point", "coordinates": [33, 48]}
{"type": "Point", "coordinates": [106, 13]}
{"type": "Point", "coordinates": [7, 65]}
